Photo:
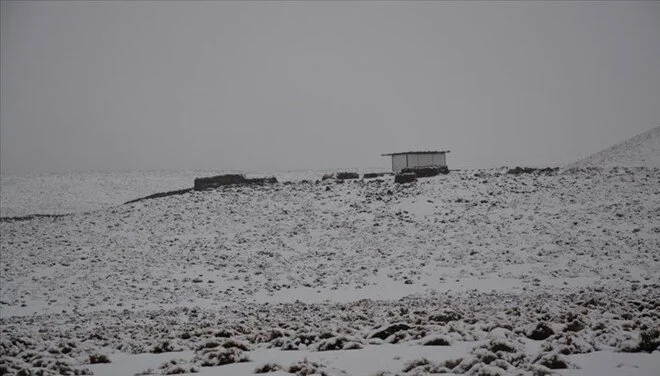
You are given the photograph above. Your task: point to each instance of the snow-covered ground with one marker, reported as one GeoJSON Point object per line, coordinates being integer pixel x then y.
{"type": "Point", "coordinates": [76, 192]}
{"type": "Point", "coordinates": [476, 272]}
{"type": "Point", "coordinates": [642, 150]}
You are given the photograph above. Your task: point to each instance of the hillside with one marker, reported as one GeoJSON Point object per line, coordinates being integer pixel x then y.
{"type": "Point", "coordinates": [77, 192]}
{"type": "Point", "coordinates": [642, 150]}
{"type": "Point", "coordinates": [509, 274]}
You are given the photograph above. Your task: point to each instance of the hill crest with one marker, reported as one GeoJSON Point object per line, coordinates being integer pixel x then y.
{"type": "Point", "coordinates": [642, 150]}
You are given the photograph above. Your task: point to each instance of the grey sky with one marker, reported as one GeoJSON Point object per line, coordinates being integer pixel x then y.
{"type": "Point", "coordinates": [291, 85]}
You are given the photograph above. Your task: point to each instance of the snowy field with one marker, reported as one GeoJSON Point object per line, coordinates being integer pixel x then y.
{"type": "Point", "coordinates": [475, 272]}
{"type": "Point", "coordinates": [78, 192]}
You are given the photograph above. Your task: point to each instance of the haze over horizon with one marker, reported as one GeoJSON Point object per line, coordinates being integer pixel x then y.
{"type": "Point", "coordinates": [292, 85]}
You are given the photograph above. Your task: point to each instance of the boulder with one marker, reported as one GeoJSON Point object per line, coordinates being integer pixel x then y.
{"type": "Point", "coordinates": [540, 332]}
{"type": "Point", "coordinates": [386, 331]}
{"type": "Point", "coordinates": [405, 178]}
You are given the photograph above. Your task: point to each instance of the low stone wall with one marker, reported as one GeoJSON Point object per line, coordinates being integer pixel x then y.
{"type": "Point", "coordinates": [405, 178]}
{"type": "Point", "coordinates": [529, 170]}
{"type": "Point", "coordinates": [269, 180]}
{"type": "Point", "coordinates": [371, 175]}
{"type": "Point", "coordinates": [160, 194]}
{"type": "Point", "coordinates": [217, 181]}
{"type": "Point", "coordinates": [230, 179]}
{"type": "Point", "coordinates": [31, 217]}
{"type": "Point", "coordinates": [427, 171]}
{"type": "Point", "coordinates": [347, 175]}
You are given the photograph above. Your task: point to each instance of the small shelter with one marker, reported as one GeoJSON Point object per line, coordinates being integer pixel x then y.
{"type": "Point", "coordinates": [413, 159]}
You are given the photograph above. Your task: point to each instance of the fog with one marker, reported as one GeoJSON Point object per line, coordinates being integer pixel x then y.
{"type": "Point", "coordinates": [292, 85]}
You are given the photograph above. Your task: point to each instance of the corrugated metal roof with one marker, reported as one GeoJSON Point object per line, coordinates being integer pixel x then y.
{"type": "Point", "coordinates": [417, 152]}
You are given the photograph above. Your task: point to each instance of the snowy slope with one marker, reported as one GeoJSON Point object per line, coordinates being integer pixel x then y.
{"type": "Point", "coordinates": [642, 150]}
{"type": "Point", "coordinates": [512, 273]}
{"type": "Point", "coordinates": [77, 192]}
{"type": "Point", "coordinates": [84, 191]}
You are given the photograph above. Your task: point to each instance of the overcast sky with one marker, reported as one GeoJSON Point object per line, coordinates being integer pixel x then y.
{"type": "Point", "coordinates": [293, 85]}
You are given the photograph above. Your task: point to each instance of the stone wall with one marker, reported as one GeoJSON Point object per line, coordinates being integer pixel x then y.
{"type": "Point", "coordinates": [405, 178]}
{"type": "Point", "coordinates": [347, 175]}
{"type": "Point", "coordinates": [230, 179]}
{"type": "Point", "coordinates": [424, 172]}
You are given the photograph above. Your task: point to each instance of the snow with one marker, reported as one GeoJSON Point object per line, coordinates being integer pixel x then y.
{"type": "Point", "coordinates": [642, 150]}
{"type": "Point", "coordinates": [74, 192]}
{"type": "Point", "coordinates": [506, 274]}
{"type": "Point", "coordinates": [608, 363]}
{"type": "Point", "coordinates": [241, 245]}
{"type": "Point", "coordinates": [130, 364]}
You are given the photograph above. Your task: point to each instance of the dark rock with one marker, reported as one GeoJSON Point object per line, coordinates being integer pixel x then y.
{"type": "Point", "coordinates": [574, 326]}
{"type": "Point", "coordinates": [98, 359]}
{"type": "Point", "coordinates": [426, 171]}
{"type": "Point", "coordinates": [260, 181]}
{"type": "Point", "coordinates": [445, 316]}
{"type": "Point", "coordinates": [499, 345]}
{"type": "Point", "coordinates": [520, 170]}
{"type": "Point", "coordinates": [389, 330]}
{"type": "Point", "coordinates": [371, 175]}
{"type": "Point", "coordinates": [405, 178]}
{"type": "Point", "coordinates": [163, 347]}
{"type": "Point", "coordinates": [268, 368]}
{"type": "Point", "coordinates": [230, 179]}
{"type": "Point", "coordinates": [548, 170]}
{"type": "Point", "coordinates": [528, 170]}
{"type": "Point", "coordinates": [541, 332]}
{"type": "Point", "coordinates": [347, 175]}
{"type": "Point", "coordinates": [649, 340]}
{"type": "Point", "coordinates": [437, 341]}
{"type": "Point", "coordinates": [159, 195]}
{"type": "Point", "coordinates": [553, 361]}
{"type": "Point", "coordinates": [217, 181]}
